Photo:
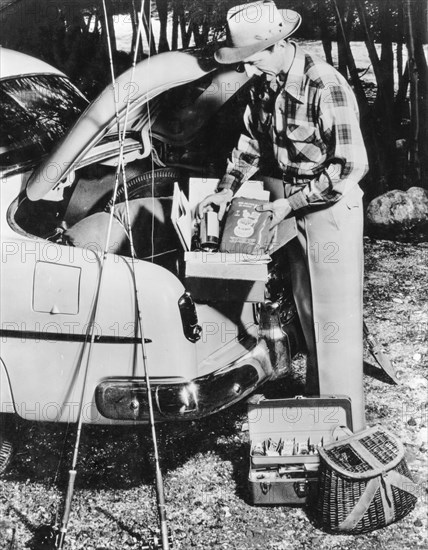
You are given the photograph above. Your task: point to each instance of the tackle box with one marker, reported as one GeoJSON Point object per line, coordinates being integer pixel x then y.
{"type": "Point", "coordinates": [285, 435]}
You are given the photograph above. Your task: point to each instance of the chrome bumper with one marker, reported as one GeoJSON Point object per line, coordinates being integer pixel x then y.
{"type": "Point", "coordinates": [126, 398]}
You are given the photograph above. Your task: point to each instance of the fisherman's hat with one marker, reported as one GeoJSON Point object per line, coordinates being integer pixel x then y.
{"type": "Point", "coordinates": [254, 27]}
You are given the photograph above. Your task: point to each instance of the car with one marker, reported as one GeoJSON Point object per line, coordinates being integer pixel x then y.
{"type": "Point", "coordinates": [179, 115]}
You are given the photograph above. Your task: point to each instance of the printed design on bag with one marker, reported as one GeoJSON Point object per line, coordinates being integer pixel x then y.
{"type": "Point", "coordinates": [245, 225]}
{"type": "Point", "coordinates": [246, 230]}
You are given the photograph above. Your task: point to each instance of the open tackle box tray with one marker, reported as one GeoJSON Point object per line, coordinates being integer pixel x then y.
{"type": "Point", "coordinates": [285, 435]}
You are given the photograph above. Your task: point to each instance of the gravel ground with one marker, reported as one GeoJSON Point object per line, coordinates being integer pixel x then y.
{"type": "Point", "coordinates": [205, 464]}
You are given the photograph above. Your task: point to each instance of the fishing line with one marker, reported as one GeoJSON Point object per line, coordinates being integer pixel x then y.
{"type": "Point", "coordinates": [152, 165]}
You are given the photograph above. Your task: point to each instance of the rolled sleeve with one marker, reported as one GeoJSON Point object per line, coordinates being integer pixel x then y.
{"type": "Point", "coordinates": [245, 159]}
{"type": "Point", "coordinates": [298, 200]}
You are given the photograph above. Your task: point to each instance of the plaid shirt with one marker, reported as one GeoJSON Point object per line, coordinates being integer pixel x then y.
{"type": "Point", "coordinates": [308, 127]}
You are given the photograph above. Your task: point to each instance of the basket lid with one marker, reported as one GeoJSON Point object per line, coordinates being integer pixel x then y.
{"type": "Point", "coordinates": [364, 455]}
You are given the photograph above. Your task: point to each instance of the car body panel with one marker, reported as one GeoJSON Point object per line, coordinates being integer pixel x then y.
{"type": "Point", "coordinates": [7, 402]}
{"type": "Point", "coordinates": [234, 328]}
{"type": "Point", "coordinates": [13, 64]}
{"type": "Point", "coordinates": [56, 370]}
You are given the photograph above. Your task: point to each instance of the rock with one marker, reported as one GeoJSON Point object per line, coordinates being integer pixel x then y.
{"type": "Point", "coordinates": [418, 522]}
{"type": "Point", "coordinates": [399, 215]}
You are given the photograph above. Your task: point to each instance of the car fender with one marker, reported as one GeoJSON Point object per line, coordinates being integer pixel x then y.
{"type": "Point", "coordinates": [7, 404]}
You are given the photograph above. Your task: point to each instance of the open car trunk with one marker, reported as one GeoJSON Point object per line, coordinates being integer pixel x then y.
{"type": "Point", "coordinates": [203, 355]}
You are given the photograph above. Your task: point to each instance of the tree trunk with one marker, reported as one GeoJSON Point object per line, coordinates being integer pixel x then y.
{"type": "Point", "coordinates": [325, 35]}
{"type": "Point", "coordinates": [400, 41]}
{"type": "Point", "coordinates": [350, 62]}
{"type": "Point", "coordinates": [414, 94]}
{"type": "Point", "coordinates": [134, 18]}
{"type": "Point", "coordinates": [421, 38]}
{"type": "Point", "coordinates": [205, 30]}
{"type": "Point", "coordinates": [369, 41]}
{"type": "Point", "coordinates": [197, 35]}
{"type": "Point", "coordinates": [400, 98]}
{"type": "Point", "coordinates": [421, 67]}
{"type": "Point", "coordinates": [383, 109]}
{"type": "Point", "coordinates": [399, 60]}
{"type": "Point", "coordinates": [340, 33]}
{"type": "Point", "coordinates": [181, 22]}
{"type": "Point", "coordinates": [162, 6]}
{"type": "Point", "coordinates": [175, 22]}
{"type": "Point", "coordinates": [373, 143]}
{"type": "Point", "coordinates": [147, 22]}
{"type": "Point", "coordinates": [134, 22]}
{"type": "Point", "coordinates": [91, 19]}
{"type": "Point", "coordinates": [387, 57]}
{"type": "Point", "coordinates": [385, 97]}
{"type": "Point", "coordinates": [187, 35]}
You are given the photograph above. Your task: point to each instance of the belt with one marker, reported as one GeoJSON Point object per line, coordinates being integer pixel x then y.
{"type": "Point", "coordinates": [292, 187]}
{"type": "Point", "coordinates": [298, 180]}
{"type": "Point", "coordinates": [294, 183]}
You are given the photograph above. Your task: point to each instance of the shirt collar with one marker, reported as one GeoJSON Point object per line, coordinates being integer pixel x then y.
{"type": "Point", "coordinates": [294, 83]}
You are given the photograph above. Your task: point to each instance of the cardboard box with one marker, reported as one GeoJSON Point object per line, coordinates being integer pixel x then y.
{"type": "Point", "coordinates": [220, 276]}
{"type": "Point", "coordinates": [292, 477]}
{"type": "Point", "coordinates": [224, 276]}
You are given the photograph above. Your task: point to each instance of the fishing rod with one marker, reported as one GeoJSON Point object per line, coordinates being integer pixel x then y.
{"type": "Point", "coordinates": [89, 342]}
{"type": "Point", "coordinates": [90, 337]}
{"type": "Point", "coordinates": [160, 491]}
{"type": "Point", "coordinates": [61, 531]}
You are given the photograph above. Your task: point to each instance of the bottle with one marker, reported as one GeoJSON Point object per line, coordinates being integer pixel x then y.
{"type": "Point", "coordinates": [209, 231]}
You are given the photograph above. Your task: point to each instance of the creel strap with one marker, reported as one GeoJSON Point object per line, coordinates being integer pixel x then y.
{"type": "Point", "coordinates": [402, 482]}
{"type": "Point", "coordinates": [387, 499]}
{"type": "Point", "coordinates": [361, 506]}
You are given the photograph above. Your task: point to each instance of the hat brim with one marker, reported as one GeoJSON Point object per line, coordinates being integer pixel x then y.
{"type": "Point", "coordinates": [229, 54]}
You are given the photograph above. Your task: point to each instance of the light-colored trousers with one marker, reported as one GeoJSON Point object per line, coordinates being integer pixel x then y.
{"type": "Point", "coordinates": [326, 264]}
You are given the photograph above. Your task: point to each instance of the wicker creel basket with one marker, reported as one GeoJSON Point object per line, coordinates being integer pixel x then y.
{"type": "Point", "coordinates": [364, 483]}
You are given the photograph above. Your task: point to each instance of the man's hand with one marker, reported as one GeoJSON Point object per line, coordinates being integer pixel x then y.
{"type": "Point", "coordinates": [220, 199]}
{"type": "Point", "coordinates": [280, 209]}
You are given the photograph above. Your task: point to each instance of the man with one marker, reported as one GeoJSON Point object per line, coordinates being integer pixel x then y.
{"type": "Point", "coordinates": [302, 122]}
